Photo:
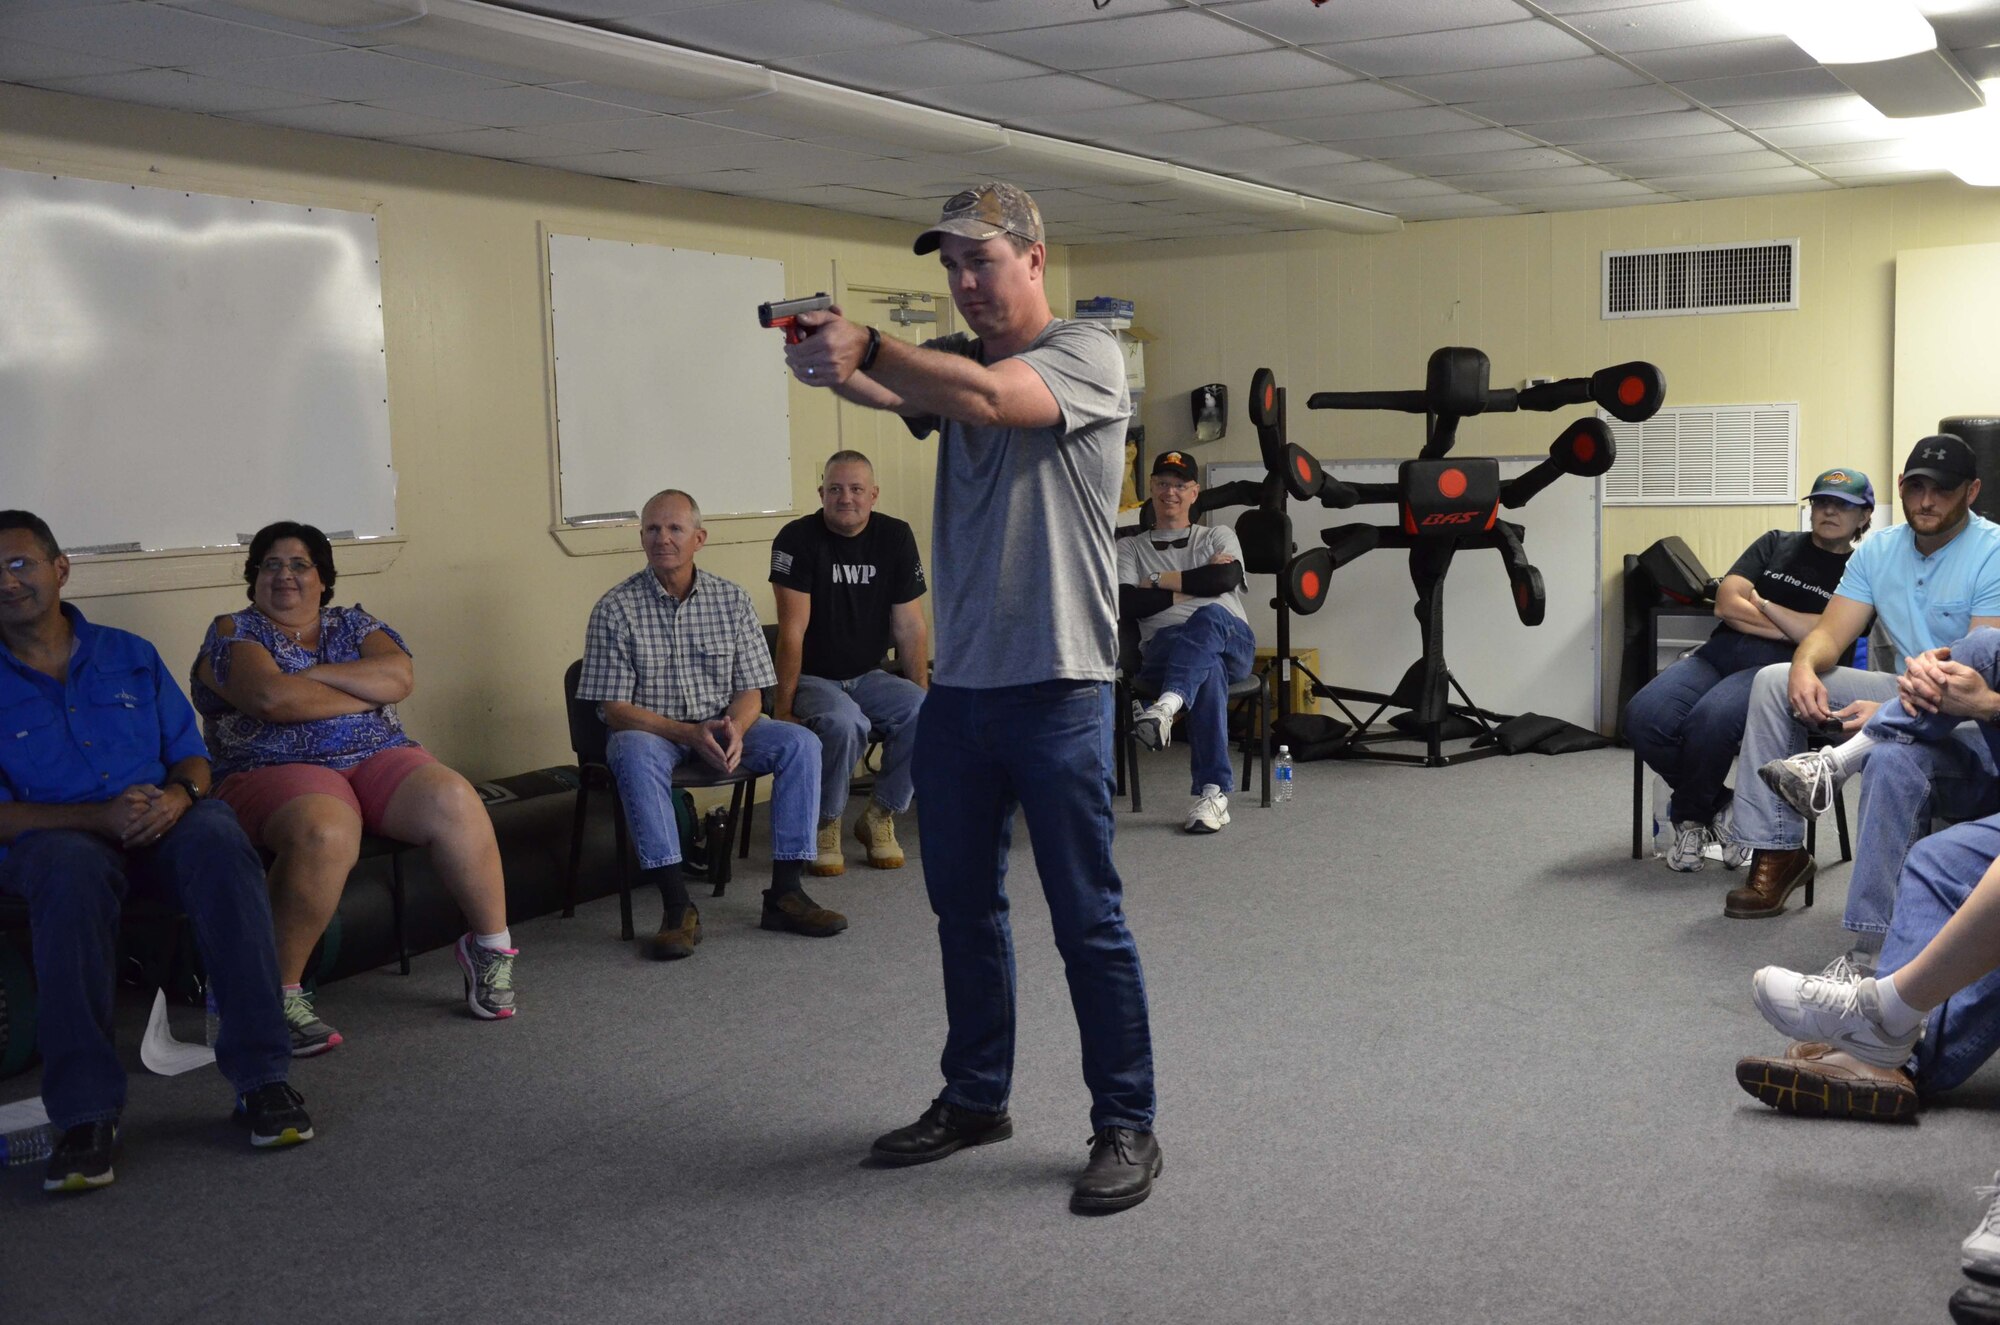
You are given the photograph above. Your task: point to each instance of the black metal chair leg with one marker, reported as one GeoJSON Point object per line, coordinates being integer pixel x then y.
{"type": "Point", "coordinates": [748, 790]}
{"type": "Point", "coordinates": [621, 845]}
{"type": "Point", "coordinates": [1840, 823]}
{"type": "Point", "coordinates": [1264, 703]}
{"type": "Point", "coordinates": [397, 900]}
{"type": "Point", "coordinates": [1638, 803]}
{"type": "Point", "coordinates": [575, 847]}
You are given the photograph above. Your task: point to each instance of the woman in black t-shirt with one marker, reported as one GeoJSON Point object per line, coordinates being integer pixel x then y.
{"type": "Point", "coordinates": [1688, 721]}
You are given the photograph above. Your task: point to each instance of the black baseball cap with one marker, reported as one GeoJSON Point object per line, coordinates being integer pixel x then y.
{"type": "Point", "coordinates": [1177, 464]}
{"type": "Point", "coordinates": [1944, 458]}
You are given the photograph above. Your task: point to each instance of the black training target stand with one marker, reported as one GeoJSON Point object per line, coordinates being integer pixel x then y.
{"type": "Point", "coordinates": [1442, 505]}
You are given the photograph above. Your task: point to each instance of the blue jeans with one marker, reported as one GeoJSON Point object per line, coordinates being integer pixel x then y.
{"type": "Point", "coordinates": [1939, 875]}
{"type": "Point", "coordinates": [843, 714]}
{"type": "Point", "coordinates": [1199, 660]}
{"type": "Point", "coordinates": [1045, 747]}
{"type": "Point", "coordinates": [75, 884]}
{"type": "Point", "coordinates": [644, 766]}
{"type": "Point", "coordinates": [1687, 723]}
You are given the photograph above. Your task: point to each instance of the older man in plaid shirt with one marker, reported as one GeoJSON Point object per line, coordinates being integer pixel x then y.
{"type": "Point", "coordinates": [676, 659]}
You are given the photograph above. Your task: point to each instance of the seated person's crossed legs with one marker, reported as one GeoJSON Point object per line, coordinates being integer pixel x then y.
{"type": "Point", "coordinates": [844, 714]}
{"type": "Point", "coordinates": [1193, 665]}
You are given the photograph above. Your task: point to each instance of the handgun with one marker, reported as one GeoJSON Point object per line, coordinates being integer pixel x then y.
{"type": "Point", "coordinates": [783, 314]}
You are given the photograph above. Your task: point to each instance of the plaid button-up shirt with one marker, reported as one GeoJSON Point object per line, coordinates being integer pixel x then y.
{"type": "Point", "coordinates": [683, 661]}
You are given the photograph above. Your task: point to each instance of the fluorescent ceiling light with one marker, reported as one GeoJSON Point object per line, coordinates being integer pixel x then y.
{"type": "Point", "coordinates": [1848, 31]}
{"type": "Point", "coordinates": [1967, 144]}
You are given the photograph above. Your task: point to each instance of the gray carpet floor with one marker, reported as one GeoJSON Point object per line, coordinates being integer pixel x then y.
{"type": "Point", "coordinates": [1431, 1047]}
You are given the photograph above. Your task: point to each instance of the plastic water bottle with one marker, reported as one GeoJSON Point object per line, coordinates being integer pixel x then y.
{"type": "Point", "coordinates": [30, 1145]}
{"type": "Point", "coordinates": [1282, 771]}
{"type": "Point", "coordinates": [211, 1026]}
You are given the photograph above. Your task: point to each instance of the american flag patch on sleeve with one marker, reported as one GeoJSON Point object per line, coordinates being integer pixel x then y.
{"type": "Point", "coordinates": [781, 563]}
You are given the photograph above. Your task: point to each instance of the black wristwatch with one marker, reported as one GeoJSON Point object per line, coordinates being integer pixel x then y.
{"type": "Point", "coordinates": [187, 784]}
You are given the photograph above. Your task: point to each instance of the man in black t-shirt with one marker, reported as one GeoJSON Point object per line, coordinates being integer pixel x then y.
{"type": "Point", "coordinates": [847, 583]}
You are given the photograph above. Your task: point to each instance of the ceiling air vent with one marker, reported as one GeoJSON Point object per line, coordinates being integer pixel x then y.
{"type": "Point", "coordinates": [1705, 455]}
{"type": "Point", "coordinates": [1702, 278]}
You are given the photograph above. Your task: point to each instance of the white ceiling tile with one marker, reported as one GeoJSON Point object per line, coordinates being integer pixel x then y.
{"type": "Point", "coordinates": [1965, 23]}
{"type": "Point", "coordinates": [257, 18]}
{"type": "Point", "coordinates": [1835, 155]}
{"type": "Point", "coordinates": [1746, 91]}
{"type": "Point", "coordinates": [1209, 148]}
{"type": "Point", "coordinates": [352, 121]}
{"type": "Point", "coordinates": [507, 144]}
{"type": "Point", "coordinates": [1309, 178]}
{"type": "Point", "coordinates": [1268, 164]}
{"type": "Point", "coordinates": [1791, 136]}
{"type": "Point", "coordinates": [1532, 158]}
{"type": "Point", "coordinates": [1453, 209]}
{"type": "Point", "coordinates": [1377, 124]}
{"type": "Point", "coordinates": [1539, 107]}
{"type": "Point", "coordinates": [611, 165]}
{"type": "Point", "coordinates": [1131, 192]}
{"type": "Point", "coordinates": [1880, 170]}
{"type": "Point", "coordinates": [648, 133]}
{"type": "Point", "coordinates": [1140, 117]}
{"type": "Point", "coordinates": [174, 89]}
{"type": "Point", "coordinates": [149, 34]}
{"type": "Point", "coordinates": [834, 197]}
{"type": "Point", "coordinates": [1664, 26]}
{"type": "Point", "coordinates": [1591, 74]}
{"type": "Point", "coordinates": [1573, 194]}
{"type": "Point", "coordinates": [1811, 110]}
{"type": "Point", "coordinates": [1672, 156]}
{"type": "Point", "coordinates": [595, 10]}
{"type": "Point", "coordinates": [1625, 128]}
{"type": "Point", "coordinates": [801, 162]}
{"type": "Point", "coordinates": [1571, 7]}
{"type": "Point", "coordinates": [348, 75]}
{"type": "Point", "coordinates": [1529, 42]}
{"type": "Point", "coordinates": [1465, 143]}
{"type": "Point", "coordinates": [1399, 189]}
{"type": "Point", "coordinates": [1227, 75]}
{"type": "Point", "coordinates": [1177, 34]}
{"type": "Point", "coordinates": [631, 101]}
{"type": "Point", "coordinates": [772, 29]}
{"type": "Point", "coordinates": [505, 73]}
{"type": "Point", "coordinates": [1480, 182]}
{"type": "Point", "coordinates": [29, 62]}
{"type": "Point", "coordinates": [1769, 55]}
{"type": "Point", "coordinates": [965, 17]}
{"type": "Point", "coordinates": [1050, 94]}
{"type": "Point", "coordinates": [939, 62]}
{"type": "Point", "coordinates": [1300, 103]}
{"type": "Point", "coordinates": [1742, 181]}
{"type": "Point", "coordinates": [506, 107]}
{"type": "Point", "coordinates": [1359, 20]}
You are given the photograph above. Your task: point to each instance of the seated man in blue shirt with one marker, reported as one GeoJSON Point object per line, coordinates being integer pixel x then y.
{"type": "Point", "coordinates": [103, 777]}
{"type": "Point", "coordinates": [1930, 582]}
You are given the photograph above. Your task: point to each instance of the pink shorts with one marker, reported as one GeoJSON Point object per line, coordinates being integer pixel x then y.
{"type": "Point", "coordinates": [366, 787]}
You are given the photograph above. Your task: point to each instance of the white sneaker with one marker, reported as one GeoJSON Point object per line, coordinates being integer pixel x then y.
{"type": "Point", "coordinates": [1209, 812]}
{"type": "Point", "coordinates": [1846, 1016]}
{"type": "Point", "coordinates": [1844, 970]}
{"type": "Point", "coordinates": [1153, 725]}
{"type": "Point", "coordinates": [1981, 1249]}
{"type": "Point", "coordinates": [1807, 782]}
{"type": "Point", "coordinates": [1733, 854]}
{"type": "Point", "coordinates": [1690, 839]}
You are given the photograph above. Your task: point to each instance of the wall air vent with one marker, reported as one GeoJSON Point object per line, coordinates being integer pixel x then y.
{"type": "Point", "coordinates": [1706, 455]}
{"type": "Point", "coordinates": [1702, 278]}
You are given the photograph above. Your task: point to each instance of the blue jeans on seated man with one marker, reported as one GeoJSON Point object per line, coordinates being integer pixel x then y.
{"type": "Point", "coordinates": [1922, 765]}
{"type": "Point", "coordinates": [644, 766]}
{"type": "Point", "coordinates": [1939, 875]}
{"type": "Point", "coordinates": [1687, 723]}
{"type": "Point", "coordinates": [1199, 660]}
{"type": "Point", "coordinates": [843, 714]}
{"type": "Point", "coordinates": [76, 883]}
{"type": "Point", "coordinates": [1045, 748]}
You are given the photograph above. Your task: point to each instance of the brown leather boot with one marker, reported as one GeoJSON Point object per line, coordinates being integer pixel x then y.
{"type": "Point", "coordinates": [672, 944]}
{"type": "Point", "coordinates": [1773, 877]}
{"type": "Point", "coordinates": [1820, 1081]}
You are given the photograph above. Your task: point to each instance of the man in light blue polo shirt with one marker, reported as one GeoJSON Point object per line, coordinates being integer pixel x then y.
{"type": "Point", "coordinates": [104, 785]}
{"type": "Point", "coordinates": [1929, 581]}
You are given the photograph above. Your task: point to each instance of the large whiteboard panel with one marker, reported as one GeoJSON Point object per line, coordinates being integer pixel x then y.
{"type": "Point", "coordinates": [179, 369]}
{"type": "Point", "coordinates": [665, 380]}
{"type": "Point", "coordinates": [1366, 633]}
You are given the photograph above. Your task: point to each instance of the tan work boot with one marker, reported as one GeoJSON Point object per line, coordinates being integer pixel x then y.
{"type": "Point", "coordinates": [876, 830]}
{"type": "Point", "coordinates": [829, 862]}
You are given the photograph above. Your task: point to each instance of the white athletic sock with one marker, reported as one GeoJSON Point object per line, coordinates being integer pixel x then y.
{"type": "Point", "coordinates": [1898, 1017]}
{"type": "Point", "coordinates": [1171, 702]}
{"type": "Point", "coordinates": [1849, 751]}
{"type": "Point", "coordinates": [499, 942]}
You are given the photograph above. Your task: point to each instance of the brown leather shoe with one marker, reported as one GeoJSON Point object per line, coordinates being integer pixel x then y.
{"type": "Point", "coordinates": [1774, 875]}
{"type": "Point", "coordinates": [796, 913]}
{"type": "Point", "coordinates": [672, 944]}
{"type": "Point", "coordinates": [1818, 1081]}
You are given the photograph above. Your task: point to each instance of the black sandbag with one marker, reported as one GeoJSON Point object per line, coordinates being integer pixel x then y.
{"type": "Point", "coordinates": [1451, 727]}
{"type": "Point", "coordinates": [1526, 731]}
{"type": "Point", "coordinates": [1310, 736]}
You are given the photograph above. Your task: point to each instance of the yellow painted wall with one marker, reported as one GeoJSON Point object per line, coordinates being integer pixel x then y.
{"type": "Point", "coordinates": [1341, 312]}
{"type": "Point", "coordinates": [492, 606]}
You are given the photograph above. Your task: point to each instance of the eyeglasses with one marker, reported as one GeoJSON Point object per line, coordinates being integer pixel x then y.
{"type": "Point", "coordinates": [19, 567]}
{"type": "Point", "coordinates": [297, 566]}
{"type": "Point", "coordinates": [1169, 485]}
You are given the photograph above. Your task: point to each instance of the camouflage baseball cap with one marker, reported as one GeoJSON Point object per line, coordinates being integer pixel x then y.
{"type": "Point", "coordinates": [1850, 485]}
{"type": "Point", "coordinates": [983, 212]}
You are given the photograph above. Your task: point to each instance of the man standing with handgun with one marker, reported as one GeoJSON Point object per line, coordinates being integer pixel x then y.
{"type": "Point", "coordinates": [1031, 413]}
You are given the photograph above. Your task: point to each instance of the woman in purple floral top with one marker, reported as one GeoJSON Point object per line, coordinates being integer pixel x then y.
{"type": "Point", "coordinates": [298, 703]}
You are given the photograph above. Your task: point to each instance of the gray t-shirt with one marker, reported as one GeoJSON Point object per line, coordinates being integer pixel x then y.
{"type": "Point", "coordinates": [1141, 554]}
{"type": "Point", "coordinates": [1022, 558]}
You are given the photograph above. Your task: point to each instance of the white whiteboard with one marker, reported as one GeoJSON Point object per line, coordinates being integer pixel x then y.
{"type": "Point", "coordinates": [179, 369]}
{"type": "Point", "coordinates": [665, 380]}
{"type": "Point", "coordinates": [1366, 633]}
